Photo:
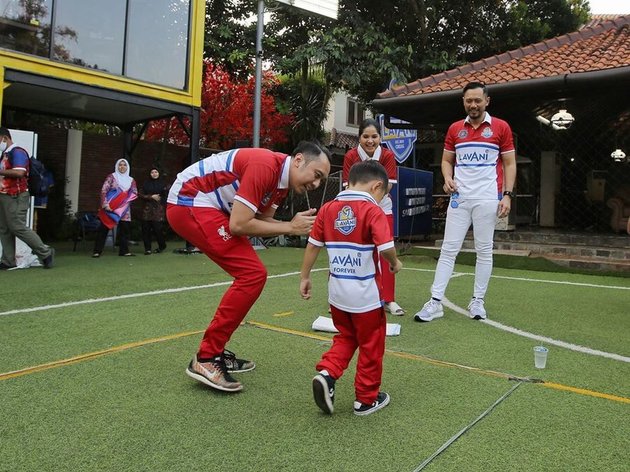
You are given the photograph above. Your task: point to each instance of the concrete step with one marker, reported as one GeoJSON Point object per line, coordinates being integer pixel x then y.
{"type": "Point", "coordinates": [590, 263]}
{"type": "Point", "coordinates": [577, 250]}
{"type": "Point", "coordinates": [554, 250]}
{"type": "Point", "coordinates": [578, 256]}
{"type": "Point", "coordinates": [565, 260]}
{"type": "Point", "coordinates": [504, 252]}
{"type": "Point", "coordinates": [564, 239]}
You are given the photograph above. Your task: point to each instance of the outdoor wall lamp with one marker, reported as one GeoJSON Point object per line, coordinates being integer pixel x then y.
{"type": "Point", "coordinates": [561, 120]}
{"type": "Point", "coordinates": [618, 155]}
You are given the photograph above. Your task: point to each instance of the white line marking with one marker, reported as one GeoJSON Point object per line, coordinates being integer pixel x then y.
{"type": "Point", "coordinates": [523, 279]}
{"type": "Point", "coordinates": [134, 295]}
{"type": "Point", "coordinates": [573, 347]}
{"type": "Point", "coordinates": [561, 282]}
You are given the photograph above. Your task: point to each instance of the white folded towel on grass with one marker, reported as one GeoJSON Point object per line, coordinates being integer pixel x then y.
{"type": "Point", "coordinates": [323, 323]}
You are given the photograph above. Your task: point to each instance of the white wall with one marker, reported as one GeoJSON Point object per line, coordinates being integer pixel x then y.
{"type": "Point", "coordinates": [338, 112]}
{"type": "Point", "coordinates": [73, 167]}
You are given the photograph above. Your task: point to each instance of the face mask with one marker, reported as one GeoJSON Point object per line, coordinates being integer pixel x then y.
{"type": "Point", "coordinates": [3, 146]}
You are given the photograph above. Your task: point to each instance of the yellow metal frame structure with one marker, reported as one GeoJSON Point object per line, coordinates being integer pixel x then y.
{"type": "Point", "coordinates": [190, 97]}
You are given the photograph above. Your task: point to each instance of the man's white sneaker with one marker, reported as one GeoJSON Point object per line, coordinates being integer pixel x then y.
{"type": "Point", "coordinates": [430, 311]}
{"type": "Point", "coordinates": [394, 309]}
{"type": "Point", "coordinates": [476, 309]}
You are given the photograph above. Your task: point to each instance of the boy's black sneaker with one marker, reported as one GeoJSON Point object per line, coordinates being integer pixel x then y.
{"type": "Point", "coordinates": [361, 409]}
{"type": "Point", "coordinates": [49, 261]}
{"type": "Point", "coordinates": [236, 366]}
{"type": "Point", "coordinates": [324, 392]}
{"type": "Point", "coordinates": [4, 266]}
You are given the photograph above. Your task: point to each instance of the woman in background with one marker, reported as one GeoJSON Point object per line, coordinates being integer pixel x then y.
{"type": "Point", "coordinates": [153, 194]}
{"type": "Point", "coordinates": [117, 193]}
{"type": "Point", "coordinates": [370, 148]}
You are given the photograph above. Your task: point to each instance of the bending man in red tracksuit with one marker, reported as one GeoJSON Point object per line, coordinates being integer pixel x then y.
{"type": "Point", "coordinates": [218, 202]}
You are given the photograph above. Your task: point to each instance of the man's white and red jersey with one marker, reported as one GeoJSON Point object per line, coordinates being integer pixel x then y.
{"type": "Point", "coordinates": [354, 229]}
{"type": "Point", "coordinates": [478, 165]}
{"type": "Point", "coordinates": [258, 178]}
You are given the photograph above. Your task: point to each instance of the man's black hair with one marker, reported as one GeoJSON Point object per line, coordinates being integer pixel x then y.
{"type": "Point", "coordinates": [367, 171]}
{"type": "Point", "coordinates": [5, 132]}
{"type": "Point", "coordinates": [476, 85]}
{"type": "Point", "coordinates": [311, 150]}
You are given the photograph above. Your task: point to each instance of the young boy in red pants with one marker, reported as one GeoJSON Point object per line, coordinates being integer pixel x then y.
{"type": "Point", "coordinates": [354, 230]}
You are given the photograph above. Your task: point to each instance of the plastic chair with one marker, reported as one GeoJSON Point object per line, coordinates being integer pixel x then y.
{"type": "Point", "coordinates": [85, 222]}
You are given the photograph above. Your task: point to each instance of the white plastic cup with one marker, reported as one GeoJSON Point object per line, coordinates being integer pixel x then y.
{"type": "Point", "coordinates": [540, 356]}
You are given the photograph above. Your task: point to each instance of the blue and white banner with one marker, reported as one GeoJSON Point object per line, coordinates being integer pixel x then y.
{"type": "Point", "coordinates": [413, 202]}
{"type": "Point", "coordinates": [400, 141]}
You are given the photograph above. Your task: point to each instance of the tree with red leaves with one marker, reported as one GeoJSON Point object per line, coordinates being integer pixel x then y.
{"type": "Point", "coordinates": [227, 113]}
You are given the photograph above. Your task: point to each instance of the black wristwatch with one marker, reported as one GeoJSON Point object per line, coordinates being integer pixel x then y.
{"type": "Point", "coordinates": [507, 193]}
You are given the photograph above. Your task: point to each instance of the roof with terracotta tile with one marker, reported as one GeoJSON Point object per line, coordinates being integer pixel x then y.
{"type": "Point", "coordinates": [605, 45]}
{"type": "Point", "coordinates": [343, 140]}
{"type": "Point", "coordinates": [598, 19]}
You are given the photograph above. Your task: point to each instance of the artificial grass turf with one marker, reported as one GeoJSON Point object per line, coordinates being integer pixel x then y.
{"type": "Point", "coordinates": [136, 410]}
{"type": "Point", "coordinates": [456, 338]}
{"type": "Point", "coordinates": [540, 429]}
{"type": "Point", "coordinates": [119, 413]}
{"type": "Point", "coordinates": [129, 418]}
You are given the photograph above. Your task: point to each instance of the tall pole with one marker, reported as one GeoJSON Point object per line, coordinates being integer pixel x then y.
{"type": "Point", "coordinates": [257, 92]}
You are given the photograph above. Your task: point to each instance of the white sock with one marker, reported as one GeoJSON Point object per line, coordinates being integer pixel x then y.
{"type": "Point", "coordinates": [324, 372]}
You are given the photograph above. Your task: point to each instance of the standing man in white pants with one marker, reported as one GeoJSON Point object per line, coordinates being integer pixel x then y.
{"type": "Point", "coordinates": [479, 169]}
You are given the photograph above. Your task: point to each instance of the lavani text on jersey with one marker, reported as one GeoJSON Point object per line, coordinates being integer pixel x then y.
{"type": "Point", "coordinates": [347, 260]}
{"type": "Point", "coordinates": [474, 156]}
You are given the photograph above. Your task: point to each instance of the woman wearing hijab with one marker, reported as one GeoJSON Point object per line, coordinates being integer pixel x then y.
{"type": "Point", "coordinates": [153, 195]}
{"type": "Point", "coordinates": [370, 148]}
{"type": "Point", "coordinates": [119, 190]}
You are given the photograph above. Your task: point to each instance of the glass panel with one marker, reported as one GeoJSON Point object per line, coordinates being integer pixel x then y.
{"type": "Point", "coordinates": [25, 26]}
{"type": "Point", "coordinates": [157, 41]}
{"type": "Point", "coordinates": [90, 33]}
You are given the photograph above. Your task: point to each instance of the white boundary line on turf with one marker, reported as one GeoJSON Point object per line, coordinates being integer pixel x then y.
{"type": "Point", "coordinates": [134, 295]}
{"type": "Point", "coordinates": [524, 279]}
{"type": "Point", "coordinates": [573, 347]}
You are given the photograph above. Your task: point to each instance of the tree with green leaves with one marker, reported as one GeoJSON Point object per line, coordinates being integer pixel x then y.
{"type": "Point", "coordinates": [373, 42]}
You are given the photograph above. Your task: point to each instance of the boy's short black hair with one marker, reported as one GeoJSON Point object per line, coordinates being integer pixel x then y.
{"type": "Point", "coordinates": [366, 171]}
{"type": "Point", "coordinates": [5, 132]}
{"type": "Point", "coordinates": [311, 150]}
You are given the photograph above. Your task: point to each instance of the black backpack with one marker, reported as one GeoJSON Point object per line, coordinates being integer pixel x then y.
{"type": "Point", "coordinates": [37, 181]}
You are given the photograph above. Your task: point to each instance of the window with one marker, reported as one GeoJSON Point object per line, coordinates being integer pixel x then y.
{"type": "Point", "coordinates": [25, 26]}
{"type": "Point", "coordinates": [356, 113]}
{"type": "Point", "coordinates": [142, 39]}
{"type": "Point", "coordinates": [90, 33]}
{"type": "Point", "coordinates": [157, 43]}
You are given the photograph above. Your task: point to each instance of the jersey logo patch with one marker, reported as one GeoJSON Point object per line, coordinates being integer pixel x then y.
{"type": "Point", "coordinates": [265, 199]}
{"type": "Point", "coordinates": [462, 134]}
{"type": "Point", "coordinates": [487, 132]}
{"type": "Point", "coordinates": [346, 221]}
{"type": "Point", "coordinates": [223, 233]}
